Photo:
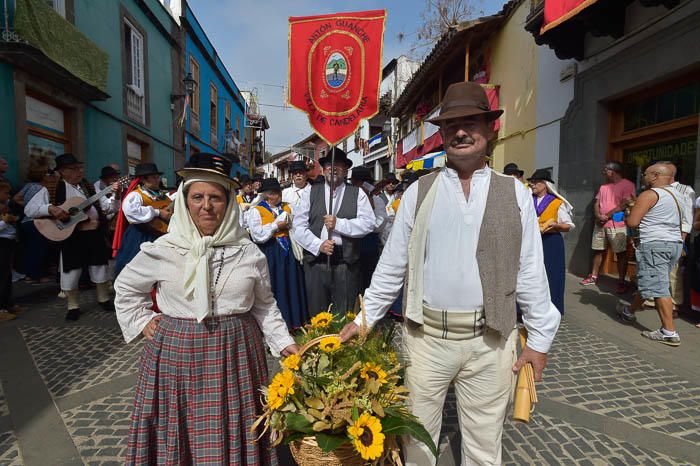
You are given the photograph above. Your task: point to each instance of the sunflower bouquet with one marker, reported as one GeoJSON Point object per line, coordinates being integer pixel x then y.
{"type": "Point", "coordinates": [340, 403]}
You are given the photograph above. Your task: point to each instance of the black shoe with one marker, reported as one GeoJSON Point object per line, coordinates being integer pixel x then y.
{"type": "Point", "coordinates": [73, 314]}
{"type": "Point", "coordinates": [107, 306]}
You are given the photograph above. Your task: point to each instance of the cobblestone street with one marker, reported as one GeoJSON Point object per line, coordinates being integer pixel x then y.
{"type": "Point", "coordinates": [608, 397]}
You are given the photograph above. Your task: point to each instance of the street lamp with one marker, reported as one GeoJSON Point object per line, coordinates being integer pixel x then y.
{"type": "Point", "coordinates": [190, 87]}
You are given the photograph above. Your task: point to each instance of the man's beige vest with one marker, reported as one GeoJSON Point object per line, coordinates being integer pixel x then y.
{"type": "Point", "coordinates": [497, 253]}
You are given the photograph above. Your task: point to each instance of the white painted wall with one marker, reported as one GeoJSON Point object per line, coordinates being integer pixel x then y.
{"type": "Point", "coordinates": [553, 97]}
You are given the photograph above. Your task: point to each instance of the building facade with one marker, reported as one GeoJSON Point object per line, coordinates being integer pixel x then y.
{"type": "Point", "coordinates": [216, 113]}
{"type": "Point", "coordinates": [87, 77]}
{"type": "Point", "coordinates": [636, 98]}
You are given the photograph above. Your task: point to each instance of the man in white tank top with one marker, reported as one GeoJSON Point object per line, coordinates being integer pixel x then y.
{"type": "Point", "coordinates": [657, 214]}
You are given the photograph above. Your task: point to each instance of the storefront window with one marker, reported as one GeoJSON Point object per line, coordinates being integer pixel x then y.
{"type": "Point", "coordinates": [671, 105]}
{"type": "Point", "coordinates": [682, 152]}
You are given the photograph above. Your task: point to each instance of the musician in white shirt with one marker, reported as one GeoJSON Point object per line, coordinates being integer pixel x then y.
{"type": "Point", "coordinates": [86, 246]}
{"type": "Point", "coordinates": [108, 176]}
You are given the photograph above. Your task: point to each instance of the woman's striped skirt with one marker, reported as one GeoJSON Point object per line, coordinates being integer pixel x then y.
{"type": "Point", "coordinates": [198, 395]}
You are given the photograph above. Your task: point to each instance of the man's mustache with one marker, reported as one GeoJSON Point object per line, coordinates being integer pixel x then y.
{"type": "Point", "coordinates": [462, 140]}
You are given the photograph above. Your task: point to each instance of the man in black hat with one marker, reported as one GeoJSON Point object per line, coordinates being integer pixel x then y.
{"type": "Point", "coordinates": [108, 176]}
{"type": "Point", "coordinates": [147, 208]}
{"type": "Point", "coordinates": [337, 233]}
{"type": "Point", "coordinates": [247, 192]}
{"type": "Point", "coordinates": [292, 195]}
{"type": "Point", "coordinates": [86, 246]}
{"type": "Point", "coordinates": [257, 182]}
{"type": "Point", "coordinates": [511, 169]}
{"type": "Point", "coordinates": [388, 194]}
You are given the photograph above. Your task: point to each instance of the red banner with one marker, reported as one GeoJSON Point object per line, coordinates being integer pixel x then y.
{"type": "Point", "coordinates": [335, 64]}
{"type": "Point", "coordinates": [558, 11]}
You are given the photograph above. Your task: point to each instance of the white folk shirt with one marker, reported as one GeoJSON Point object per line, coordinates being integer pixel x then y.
{"type": "Point", "coordinates": [455, 285]}
{"type": "Point", "coordinates": [357, 227]}
{"type": "Point", "coordinates": [292, 195]}
{"type": "Point", "coordinates": [686, 199]}
{"type": "Point", "coordinates": [113, 206]}
{"type": "Point", "coordinates": [135, 211]}
{"type": "Point", "coordinates": [262, 233]}
{"type": "Point", "coordinates": [243, 286]}
{"type": "Point", "coordinates": [38, 206]}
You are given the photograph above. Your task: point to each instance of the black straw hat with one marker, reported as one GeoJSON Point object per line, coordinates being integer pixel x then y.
{"type": "Point", "coordinates": [391, 178]}
{"type": "Point", "coordinates": [298, 166]}
{"type": "Point", "coordinates": [340, 158]}
{"type": "Point", "coordinates": [64, 160]}
{"type": "Point", "coordinates": [542, 174]}
{"type": "Point", "coordinates": [108, 171]}
{"type": "Point", "coordinates": [362, 173]}
{"type": "Point", "coordinates": [215, 164]}
{"type": "Point", "coordinates": [511, 169]}
{"type": "Point", "coordinates": [145, 169]}
{"type": "Point", "coordinates": [270, 184]}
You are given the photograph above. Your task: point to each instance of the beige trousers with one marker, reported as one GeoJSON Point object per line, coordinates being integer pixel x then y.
{"type": "Point", "coordinates": [677, 286]}
{"type": "Point", "coordinates": [481, 370]}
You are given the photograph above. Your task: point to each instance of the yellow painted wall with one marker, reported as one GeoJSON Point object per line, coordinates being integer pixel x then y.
{"type": "Point", "coordinates": [514, 68]}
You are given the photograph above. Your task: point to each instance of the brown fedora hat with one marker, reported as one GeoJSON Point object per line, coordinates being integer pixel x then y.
{"type": "Point", "coordinates": [463, 100]}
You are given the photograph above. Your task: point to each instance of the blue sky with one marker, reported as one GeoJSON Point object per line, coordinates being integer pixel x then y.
{"type": "Point", "coordinates": [251, 39]}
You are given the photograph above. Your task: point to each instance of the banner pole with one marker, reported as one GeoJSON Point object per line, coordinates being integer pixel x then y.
{"type": "Point", "coordinates": [330, 207]}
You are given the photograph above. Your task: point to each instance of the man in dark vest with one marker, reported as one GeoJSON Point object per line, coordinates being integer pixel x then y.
{"type": "Point", "coordinates": [466, 246]}
{"type": "Point", "coordinates": [388, 194]}
{"type": "Point", "coordinates": [336, 234]}
{"type": "Point", "coordinates": [87, 246]}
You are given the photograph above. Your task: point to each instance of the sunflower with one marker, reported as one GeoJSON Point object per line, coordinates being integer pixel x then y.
{"type": "Point", "coordinates": [321, 320]}
{"type": "Point", "coordinates": [282, 386]}
{"type": "Point", "coordinates": [292, 362]}
{"type": "Point", "coordinates": [367, 437]}
{"type": "Point", "coordinates": [350, 315]}
{"type": "Point", "coordinates": [330, 344]}
{"type": "Point", "coordinates": [373, 371]}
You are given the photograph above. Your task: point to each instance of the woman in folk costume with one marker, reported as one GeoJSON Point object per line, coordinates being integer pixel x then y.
{"type": "Point", "coordinates": [554, 215]}
{"type": "Point", "coordinates": [203, 362]}
{"type": "Point", "coordinates": [146, 210]}
{"type": "Point", "coordinates": [268, 224]}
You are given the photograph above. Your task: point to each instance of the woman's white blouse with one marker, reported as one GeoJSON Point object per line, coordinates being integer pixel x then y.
{"type": "Point", "coordinates": [243, 286]}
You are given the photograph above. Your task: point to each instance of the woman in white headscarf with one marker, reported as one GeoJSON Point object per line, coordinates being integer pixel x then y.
{"type": "Point", "coordinates": [554, 216]}
{"type": "Point", "coordinates": [203, 363]}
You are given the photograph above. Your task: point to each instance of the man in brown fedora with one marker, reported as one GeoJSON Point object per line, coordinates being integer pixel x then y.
{"type": "Point", "coordinates": [466, 247]}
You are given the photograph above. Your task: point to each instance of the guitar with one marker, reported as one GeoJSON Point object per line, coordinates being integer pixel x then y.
{"type": "Point", "coordinates": [60, 230]}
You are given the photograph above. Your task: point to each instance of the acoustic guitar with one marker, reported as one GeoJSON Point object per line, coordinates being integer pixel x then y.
{"type": "Point", "coordinates": [60, 230]}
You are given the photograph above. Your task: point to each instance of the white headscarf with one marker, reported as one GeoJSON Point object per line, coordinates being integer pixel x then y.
{"type": "Point", "coordinates": [553, 191]}
{"type": "Point", "coordinates": [183, 234]}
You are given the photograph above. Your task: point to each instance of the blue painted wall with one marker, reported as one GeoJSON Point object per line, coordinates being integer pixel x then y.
{"type": "Point", "coordinates": [203, 51]}
{"type": "Point", "coordinates": [102, 22]}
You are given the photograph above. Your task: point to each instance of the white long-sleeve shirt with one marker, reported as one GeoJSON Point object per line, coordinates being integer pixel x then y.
{"type": "Point", "coordinates": [113, 206]}
{"type": "Point", "coordinates": [258, 232]}
{"type": "Point", "coordinates": [38, 206]}
{"type": "Point", "coordinates": [357, 227]}
{"type": "Point", "coordinates": [292, 195]}
{"type": "Point", "coordinates": [451, 273]}
{"type": "Point", "coordinates": [686, 199]}
{"type": "Point", "coordinates": [243, 286]}
{"type": "Point", "coordinates": [135, 211]}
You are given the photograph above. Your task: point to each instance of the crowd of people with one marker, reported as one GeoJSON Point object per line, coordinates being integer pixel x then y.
{"type": "Point", "coordinates": [211, 271]}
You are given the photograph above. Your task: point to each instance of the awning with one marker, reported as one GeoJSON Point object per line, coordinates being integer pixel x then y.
{"type": "Point", "coordinates": [558, 11]}
{"type": "Point", "coordinates": [432, 160]}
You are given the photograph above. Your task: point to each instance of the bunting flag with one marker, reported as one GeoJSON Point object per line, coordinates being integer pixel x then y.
{"type": "Point", "coordinates": [558, 11]}
{"type": "Point", "coordinates": [335, 64]}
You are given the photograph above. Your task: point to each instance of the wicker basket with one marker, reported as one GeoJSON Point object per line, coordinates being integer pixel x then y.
{"type": "Point", "coordinates": [306, 452]}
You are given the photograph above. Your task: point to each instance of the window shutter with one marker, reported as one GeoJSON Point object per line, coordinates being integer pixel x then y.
{"type": "Point", "coordinates": [137, 62]}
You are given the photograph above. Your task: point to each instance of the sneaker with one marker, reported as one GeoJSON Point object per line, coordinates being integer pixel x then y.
{"type": "Point", "coordinates": [589, 280]}
{"type": "Point", "coordinates": [621, 288]}
{"type": "Point", "coordinates": [623, 311]}
{"type": "Point", "coordinates": [6, 316]}
{"type": "Point", "coordinates": [73, 314]}
{"type": "Point", "coordinates": [661, 337]}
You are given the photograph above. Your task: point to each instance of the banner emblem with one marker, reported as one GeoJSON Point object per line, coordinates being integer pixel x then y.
{"type": "Point", "coordinates": [335, 70]}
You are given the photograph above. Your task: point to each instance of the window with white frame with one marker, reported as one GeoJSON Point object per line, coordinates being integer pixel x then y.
{"type": "Point", "coordinates": [135, 76]}
{"type": "Point", "coordinates": [58, 5]}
